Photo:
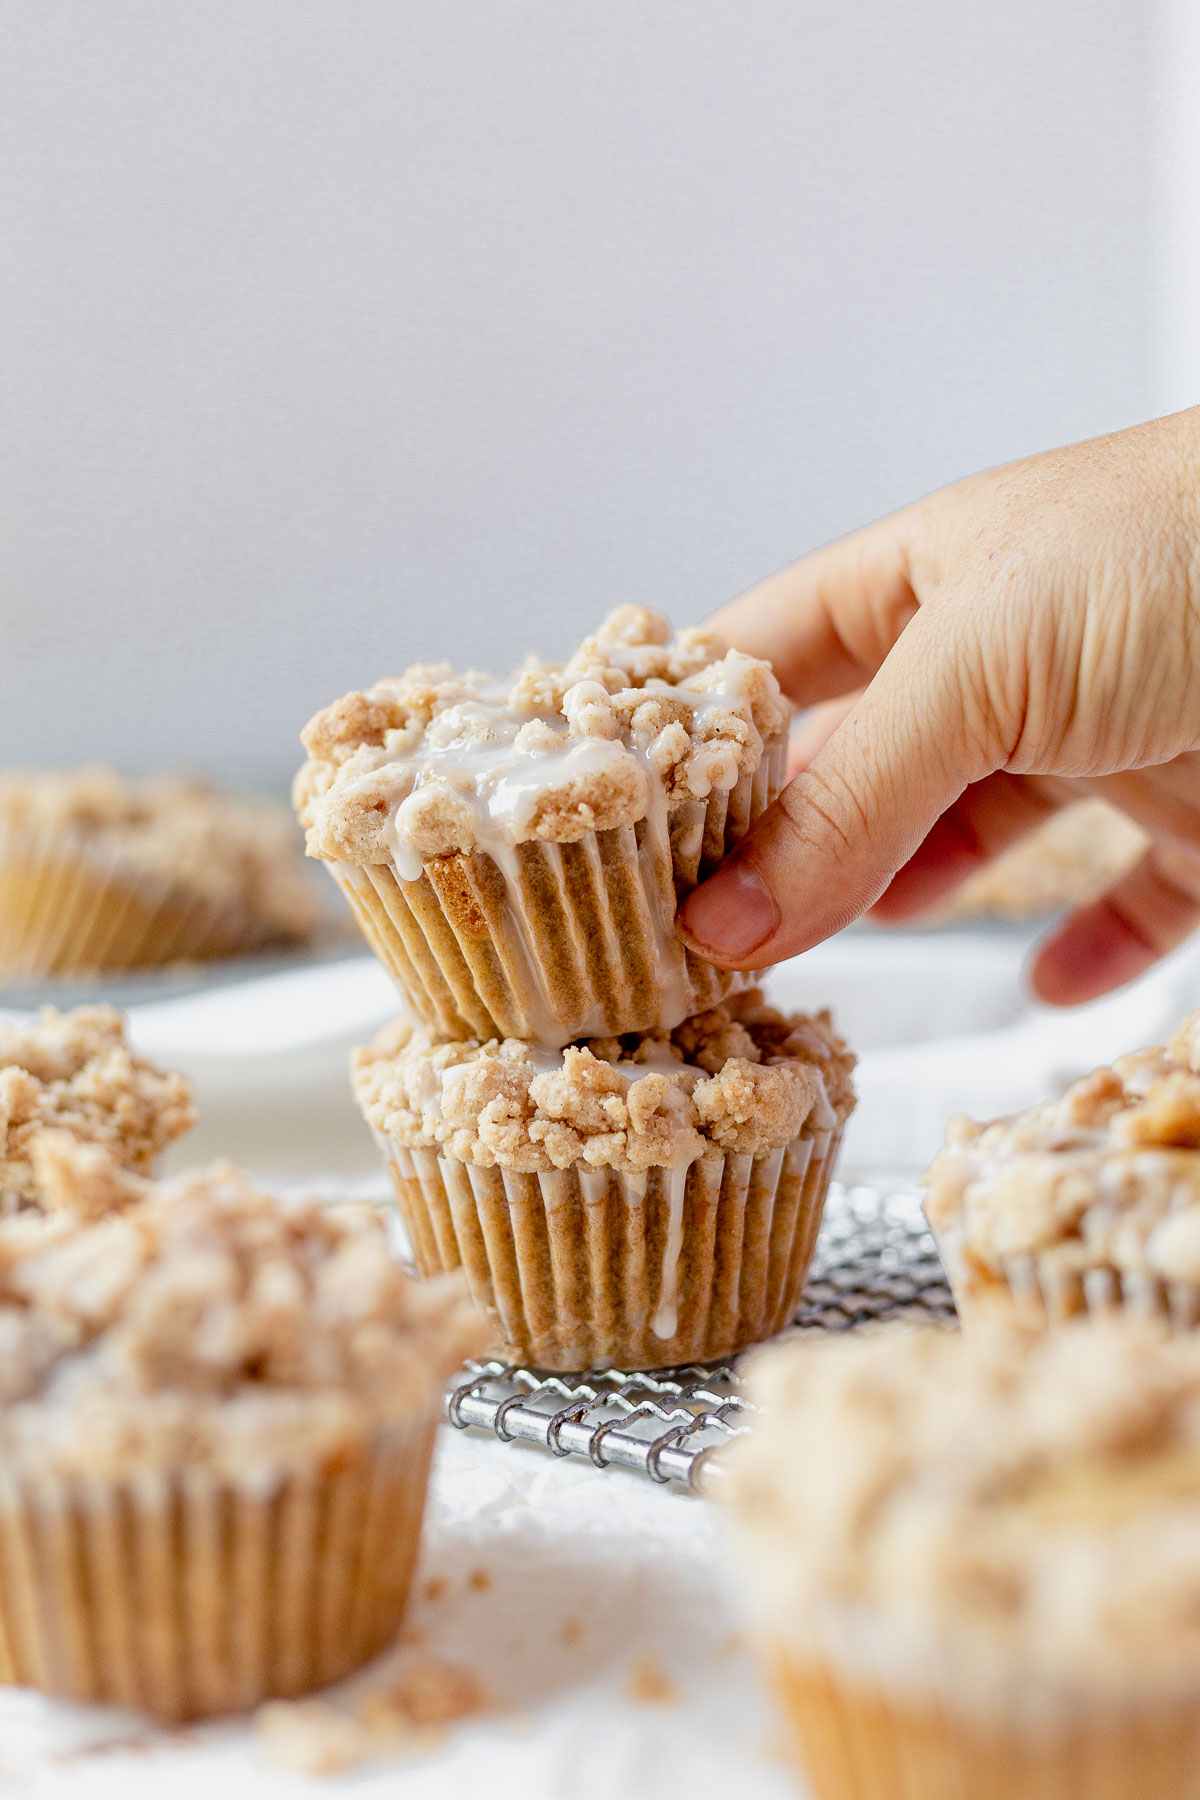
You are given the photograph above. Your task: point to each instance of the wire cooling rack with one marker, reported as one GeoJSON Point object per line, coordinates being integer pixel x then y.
{"type": "Point", "coordinates": [875, 1260]}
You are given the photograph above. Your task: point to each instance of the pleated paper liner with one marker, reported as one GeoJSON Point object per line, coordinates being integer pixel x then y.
{"type": "Point", "coordinates": [1040, 1291]}
{"type": "Point", "coordinates": [864, 1740]}
{"type": "Point", "coordinates": [186, 1595]}
{"type": "Point", "coordinates": [69, 907]}
{"type": "Point", "coordinates": [586, 1268]}
{"type": "Point", "coordinates": [566, 940]}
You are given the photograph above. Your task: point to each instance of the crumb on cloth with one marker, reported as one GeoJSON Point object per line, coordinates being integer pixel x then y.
{"type": "Point", "coordinates": [649, 1684]}
{"type": "Point", "coordinates": [408, 1708]}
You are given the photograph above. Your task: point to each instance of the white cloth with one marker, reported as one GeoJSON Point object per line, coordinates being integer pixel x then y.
{"type": "Point", "coordinates": [941, 1025]}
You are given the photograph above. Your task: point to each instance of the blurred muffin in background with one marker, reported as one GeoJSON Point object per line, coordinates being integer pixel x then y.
{"type": "Point", "coordinates": [75, 1073]}
{"type": "Point", "coordinates": [1086, 1203]}
{"type": "Point", "coordinates": [973, 1564]}
{"type": "Point", "coordinates": [102, 873]}
{"type": "Point", "coordinates": [217, 1411]}
{"type": "Point", "coordinates": [1068, 861]}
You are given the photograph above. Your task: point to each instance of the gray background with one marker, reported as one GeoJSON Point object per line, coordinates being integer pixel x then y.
{"type": "Point", "coordinates": [338, 335]}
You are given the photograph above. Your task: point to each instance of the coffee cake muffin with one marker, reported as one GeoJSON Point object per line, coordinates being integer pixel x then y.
{"type": "Point", "coordinates": [1071, 859]}
{"type": "Point", "coordinates": [1082, 1204]}
{"type": "Point", "coordinates": [75, 1072]}
{"type": "Point", "coordinates": [99, 873]}
{"type": "Point", "coordinates": [974, 1565]}
{"type": "Point", "coordinates": [216, 1419]}
{"type": "Point", "coordinates": [642, 1201]}
{"type": "Point", "coordinates": [515, 851]}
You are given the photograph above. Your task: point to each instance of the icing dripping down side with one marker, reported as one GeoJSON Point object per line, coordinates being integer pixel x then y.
{"type": "Point", "coordinates": [665, 1322]}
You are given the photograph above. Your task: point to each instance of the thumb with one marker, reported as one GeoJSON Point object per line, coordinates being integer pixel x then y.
{"type": "Point", "coordinates": [830, 844]}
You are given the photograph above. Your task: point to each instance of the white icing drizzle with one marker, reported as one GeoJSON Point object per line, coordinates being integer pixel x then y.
{"type": "Point", "coordinates": [665, 1322]}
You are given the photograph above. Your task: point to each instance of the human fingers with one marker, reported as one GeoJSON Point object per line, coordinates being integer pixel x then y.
{"type": "Point", "coordinates": [985, 820]}
{"type": "Point", "coordinates": [836, 836]}
{"type": "Point", "coordinates": [827, 622]}
{"type": "Point", "coordinates": [1104, 945]}
{"type": "Point", "coordinates": [815, 730]}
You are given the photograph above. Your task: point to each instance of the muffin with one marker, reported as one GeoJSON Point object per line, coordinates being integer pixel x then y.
{"type": "Point", "coordinates": [98, 873]}
{"type": "Point", "coordinates": [643, 1201]}
{"type": "Point", "coordinates": [974, 1565]}
{"type": "Point", "coordinates": [216, 1419]}
{"type": "Point", "coordinates": [75, 1072]}
{"type": "Point", "coordinates": [1083, 1204]}
{"type": "Point", "coordinates": [1071, 859]}
{"type": "Point", "coordinates": [515, 851]}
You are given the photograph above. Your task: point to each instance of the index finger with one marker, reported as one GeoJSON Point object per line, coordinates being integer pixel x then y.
{"type": "Point", "coordinates": [827, 622]}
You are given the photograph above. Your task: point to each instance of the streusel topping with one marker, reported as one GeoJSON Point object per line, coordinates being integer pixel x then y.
{"type": "Point", "coordinates": [741, 1079]}
{"type": "Point", "coordinates": [1027, 1501]}
{"type": "Point", "coordinates": [1108, 1176]}
{"type": "Point", "coordinates": [75, 1072]}
{"type": "Point", "coordinates": [200, 1322]}
{"type": "Point", "coordinates": [432, 763]}
{"type": "Point", "coordinates": [229, 850]}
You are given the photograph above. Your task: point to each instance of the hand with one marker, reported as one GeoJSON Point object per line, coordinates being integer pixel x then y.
{"type": "Point", "coordinates": [1021, 639]}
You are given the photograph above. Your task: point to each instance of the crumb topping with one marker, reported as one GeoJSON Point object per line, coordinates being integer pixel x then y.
{"type": "Point", "coordinates": [1106, 1177]}
{"type": "Point", "coordinates": [432, 763]}
{"type": "Point", "coordinates": [200, 1322]}
{"type": "Point", "coordinates": [229, 850]}
{"type": "Point", "coordinates": [1028, 1500]}
{"type": "Point", "coordinates": [75, 1072]}
{"type": "Point", "coordinates": [741, 1079]}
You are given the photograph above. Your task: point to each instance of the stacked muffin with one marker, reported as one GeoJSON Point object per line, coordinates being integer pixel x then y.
{"type": "Point", "coordinates": [624, 1148]}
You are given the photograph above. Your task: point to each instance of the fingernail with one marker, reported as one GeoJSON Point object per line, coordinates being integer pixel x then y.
{"type": "Point", "coordinates": [732, 914]}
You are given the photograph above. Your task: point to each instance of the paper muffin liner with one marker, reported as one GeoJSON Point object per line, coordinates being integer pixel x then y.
{"type": "Point", "coordinates": [184, 1595]}
{"type": "Point", "coordinates": [561, 941]}
{"type": "Point", "coordinates": [1040, 1292]}
{"type": "Point", "coordinates": [68, 906]}
{"type": "Point", "coordinates": [872, 1737]}
{"type": "Point", "coordinates": [585, 1268]}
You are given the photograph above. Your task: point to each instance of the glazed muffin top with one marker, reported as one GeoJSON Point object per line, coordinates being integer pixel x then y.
{"type": "Point", "coordinates": [75, 1072]}
{"type": "Point", "coordinates": [739, 1079]}
{"type": "Point", "coordinates": [1004, 1503]}
{"type": "Point", "coordinates": [224, 848]}
{"type": "Point", "coordinates": [200, 1323]}
{"type": "Point", "coordinates": [431, 763]}
{"type": "Point", "coordinates": [1107, 1176]}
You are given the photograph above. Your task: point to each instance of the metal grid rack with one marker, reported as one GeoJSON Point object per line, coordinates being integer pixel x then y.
{"type": "Point", "coordinates": [875, 1260]}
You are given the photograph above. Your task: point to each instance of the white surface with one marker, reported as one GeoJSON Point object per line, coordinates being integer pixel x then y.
{"type": "Point", "coordinates": [336, 337]}
{"type": "Point", "coordinates": [636, 1567]}
{"type": "Point", "coordinates": [941, 1024]}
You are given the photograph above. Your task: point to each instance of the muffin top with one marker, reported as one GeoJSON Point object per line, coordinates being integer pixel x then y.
{"type": "Point", "coordinates": [740, 1079]}
{"type": "Point", "coordinates": [1108, 1176]}
{"type": "Point", "coordinates": [200, 1323]}
{"type": "Point", "coordinates": [1004, 1503]}
{"type": "Point", "coordinates": [225, 848]}
{"type": "Point", "coordinates": [75, 1072]}
{"type": "Point", "coordinates": [431, 763]}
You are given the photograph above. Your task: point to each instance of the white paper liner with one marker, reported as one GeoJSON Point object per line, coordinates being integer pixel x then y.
{"type": "Point", "coordinates": [561, 941]}
{"type": "Point", "coordinates": [583, 1268]}
{"type": "Point", "coordinates": [876, 1715]}
{"type": "Point", "coordinates": [70, 906]}
{"type": "Point", "coordinates": [1040, 1291]}
{"type": "Point", "coordinates": [186, 1595]}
